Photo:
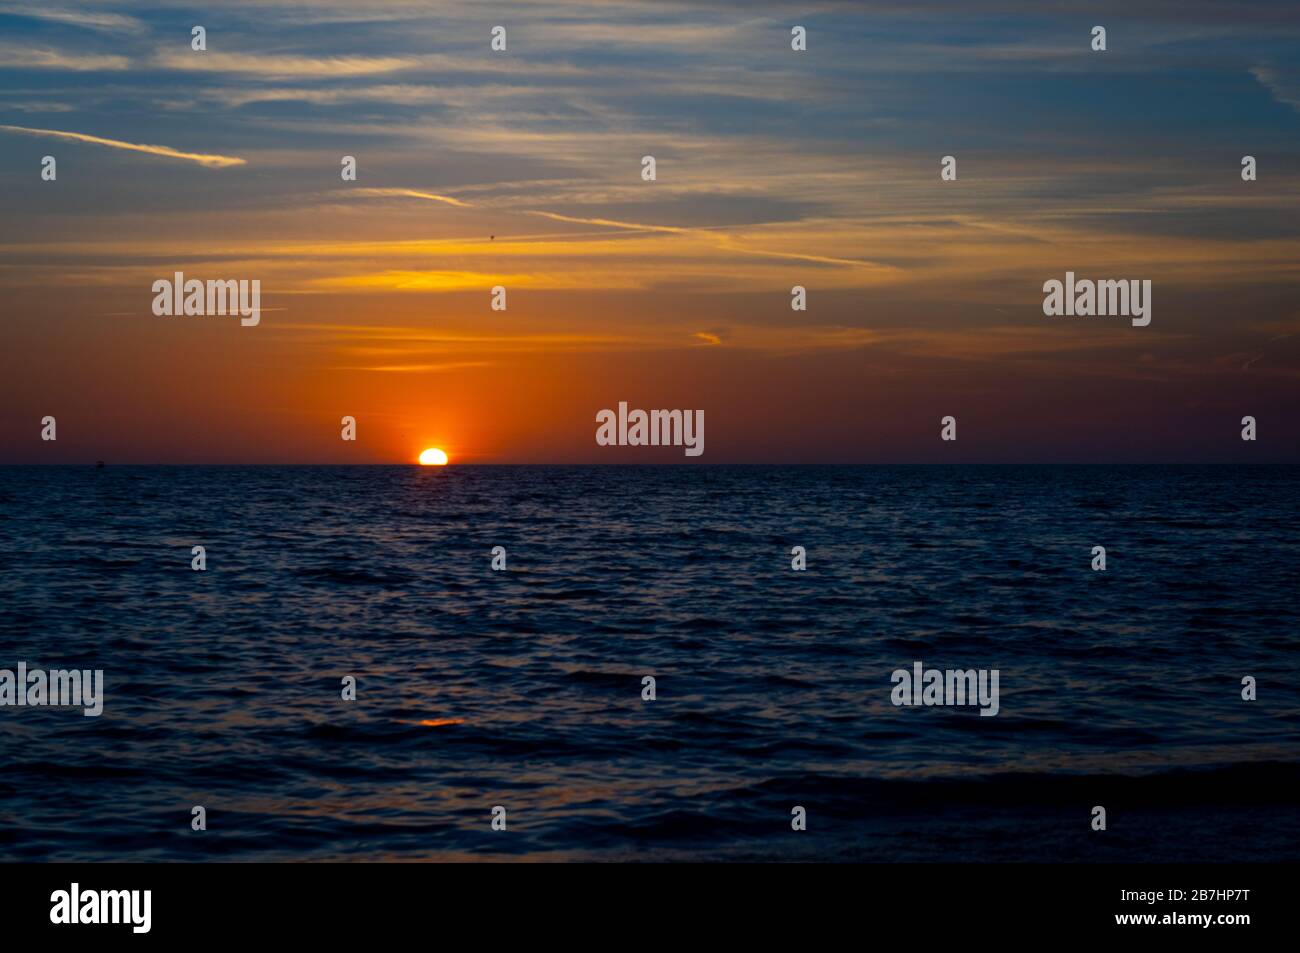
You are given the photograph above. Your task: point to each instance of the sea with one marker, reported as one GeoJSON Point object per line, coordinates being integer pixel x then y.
{"type": "Point", "coordinates": [519, 694]}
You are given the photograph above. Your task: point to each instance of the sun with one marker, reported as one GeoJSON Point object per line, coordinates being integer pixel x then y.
{"type": "Point", "coordinates": [433, 457]}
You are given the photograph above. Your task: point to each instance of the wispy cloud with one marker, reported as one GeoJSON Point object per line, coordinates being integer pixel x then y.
{"type": "Point", "coordinates": [89, 19]}
{"type": "Point", "coordinates": [422, 368]}
{"type": "Point", "coordinates": [40, 107]}
{"type": "Point", "coordinates": [283, 65]}
{"type": "Point", "coordinates": [392, 94]}
{"type": "Point", "coordinates": [412, 280]}
{"type": "Point", "coordinates": [209, 161]}
{"type": "Point", "coordinates": [13, 56]}
{"type": "Point", "coordinates": [1284, 86]}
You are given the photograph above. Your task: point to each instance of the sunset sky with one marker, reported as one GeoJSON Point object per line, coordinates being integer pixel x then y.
{"type": "Point", "coordinates": [774, 169]}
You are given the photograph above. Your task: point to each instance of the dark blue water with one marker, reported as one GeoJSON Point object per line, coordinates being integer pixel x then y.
{"type": "Point", "coordinates": [523, 688]}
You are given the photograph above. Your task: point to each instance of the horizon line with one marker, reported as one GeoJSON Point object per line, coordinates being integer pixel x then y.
{"type": "Point", "coordinates": [102, 465]}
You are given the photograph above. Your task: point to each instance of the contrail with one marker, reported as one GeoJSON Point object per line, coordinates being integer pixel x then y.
{"type": "Point", "coordinates": [211, 162]}
{"type": "Point", "coordinates": [721, 240]}
{"type": "Point", "coordinates": [411, 194]}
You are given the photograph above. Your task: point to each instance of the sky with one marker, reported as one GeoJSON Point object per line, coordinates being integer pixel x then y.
{"type": "Point", "coordinates": [774, 168]}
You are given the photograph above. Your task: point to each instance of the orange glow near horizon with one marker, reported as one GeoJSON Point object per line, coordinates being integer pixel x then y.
{"type": "Point", "coordinates": [433, 457]}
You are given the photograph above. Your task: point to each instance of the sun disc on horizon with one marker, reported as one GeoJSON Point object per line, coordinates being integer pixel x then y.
{"type": "Point", "coordinates": [433, 457]}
